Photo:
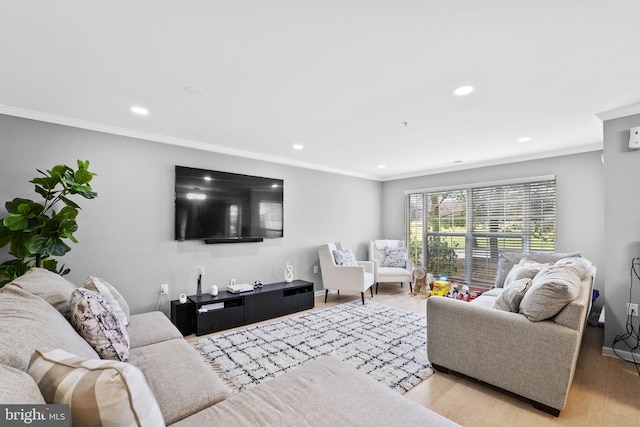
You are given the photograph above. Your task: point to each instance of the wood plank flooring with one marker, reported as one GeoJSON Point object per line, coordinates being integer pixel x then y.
{"type": "Point", "coordinates": [605, 391]}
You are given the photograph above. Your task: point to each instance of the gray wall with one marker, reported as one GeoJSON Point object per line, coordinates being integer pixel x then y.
{"type": "Point", "coordinates": [622, 226]}
{"type": "Point", "coordinates": [580, 200]}
{"type": "Point", "coordinates": [126, 234]}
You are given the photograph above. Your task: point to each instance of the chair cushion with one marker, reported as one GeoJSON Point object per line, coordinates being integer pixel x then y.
{"type": "Point", "coordinates": [99, 392]}
{"type": "Point", "coordinates": [345, 257]}
{"type": "Point", "coordinates": [94, 320]}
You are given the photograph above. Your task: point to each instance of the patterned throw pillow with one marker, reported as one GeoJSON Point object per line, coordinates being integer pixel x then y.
{"type": "Point", "coordinates": [94, 320]}
{"type": "Point", "coordinates": [98, 392]}
{"type": "Point", "coordinates": [395, 257]}
{"type": "Point", "coordinates": [344, 257]}
{"type": "Point", "coordinates": [113, 297]}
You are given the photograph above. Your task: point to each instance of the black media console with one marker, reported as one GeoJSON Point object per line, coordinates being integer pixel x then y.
{"type": "Point", "coordinates": [206, 314]}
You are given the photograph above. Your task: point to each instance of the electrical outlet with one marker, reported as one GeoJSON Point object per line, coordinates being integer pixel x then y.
{"type": "Point", "coordinates": [315, 269]}
{"type": "Point", "coordinates": [632, 310]}
{"type": "Point", "coordinates": [232, 281]}
{"type": "Point", "coordinates": [164, 289]}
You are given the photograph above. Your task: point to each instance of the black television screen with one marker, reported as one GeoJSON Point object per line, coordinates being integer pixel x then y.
{"type": "Point", "coordinates": [220, 206]}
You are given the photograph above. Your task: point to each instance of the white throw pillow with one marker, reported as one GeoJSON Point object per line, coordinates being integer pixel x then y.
{"type": "Point", "coordinates": [511, 296]}
{"type": "Point", "coordinates": [113, 297]}
{"type": "Point", "coordinates": [98, 392]}
{"type": "Point", "coordinates": [524, 270]}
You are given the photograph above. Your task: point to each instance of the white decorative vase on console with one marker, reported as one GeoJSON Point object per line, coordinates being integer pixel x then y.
{"type": "Point", "coordinates": [288, 273]}
{"type": "Point", "coordinates": [214, 290]}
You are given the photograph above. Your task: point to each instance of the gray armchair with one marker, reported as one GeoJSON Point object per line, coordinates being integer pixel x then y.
{"type": "Point", "coordinates": [354, 278]}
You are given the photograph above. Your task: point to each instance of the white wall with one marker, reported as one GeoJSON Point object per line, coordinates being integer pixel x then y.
{"type": "Point", "coordinates": [126, 234]}
{"type": "Point", "coordinates": [580, 200]}
{"type": "Point", "coordinates": [622, 226]}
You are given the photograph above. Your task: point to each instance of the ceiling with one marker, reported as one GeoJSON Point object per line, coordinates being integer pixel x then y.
{"type": "Point", "coordinates": [358, 83]}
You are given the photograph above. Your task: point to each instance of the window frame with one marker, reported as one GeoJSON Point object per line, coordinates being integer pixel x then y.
{"type": "Point", "coordinates": [417, 221]}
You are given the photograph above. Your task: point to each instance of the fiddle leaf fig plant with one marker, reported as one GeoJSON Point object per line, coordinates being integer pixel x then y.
{"type": "Point", "coordinates": [35, 231]}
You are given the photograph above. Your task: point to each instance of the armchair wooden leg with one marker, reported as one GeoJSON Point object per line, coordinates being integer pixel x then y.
{"type": "Point", "coordinates": [410, 287]}
{"type": "Point", "coordinates": [371, 289]}
{"type": "Point", "coordinates": [326, 292]}
{"type": "Point", "coordinates": [362, 295]}
{"type": "Point", "coordinates": [377, 284]}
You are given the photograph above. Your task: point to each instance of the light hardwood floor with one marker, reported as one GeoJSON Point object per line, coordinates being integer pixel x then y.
{"type": "Point", "coordinates": [605, 391]}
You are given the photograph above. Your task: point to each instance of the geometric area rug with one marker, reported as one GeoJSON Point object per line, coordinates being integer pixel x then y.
{"type": "Point", "coordinates": [382, 341]}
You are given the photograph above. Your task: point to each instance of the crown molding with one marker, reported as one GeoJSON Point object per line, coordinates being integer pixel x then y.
{"type": "Point", "coordinates": [180, 142]}
{"type": "Point", "coordinates": [598, 146]}
{"type": "Point", "coordinates": [617, 113]}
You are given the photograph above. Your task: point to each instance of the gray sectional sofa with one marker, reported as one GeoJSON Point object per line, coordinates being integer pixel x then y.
{"type": "Point", "coordinates": [186, 389]}
{"type": "Point", "coordinates": [522, 336]}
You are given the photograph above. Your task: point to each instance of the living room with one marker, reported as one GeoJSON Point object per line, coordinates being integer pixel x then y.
{"type": "Point", "coordinates": [126, 234]}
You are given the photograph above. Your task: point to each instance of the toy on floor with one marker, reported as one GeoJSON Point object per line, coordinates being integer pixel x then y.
{"type": "Point", "coordinates": [464, 293]}
{"type": "Point", "coordinates": [442, 286]}
{"type": "Point", "coordinates": [421, 282]}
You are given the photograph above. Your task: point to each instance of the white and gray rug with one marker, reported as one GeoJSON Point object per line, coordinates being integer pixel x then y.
{"type": "Point", "coordinates": [384, 342]}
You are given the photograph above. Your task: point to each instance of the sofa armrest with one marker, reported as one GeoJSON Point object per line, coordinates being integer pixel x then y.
{"type": "Point", "coordinates": [532, 359]}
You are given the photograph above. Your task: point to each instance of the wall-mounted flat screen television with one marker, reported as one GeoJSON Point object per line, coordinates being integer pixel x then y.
{"type": "Point", "coordinates": [221, 207]}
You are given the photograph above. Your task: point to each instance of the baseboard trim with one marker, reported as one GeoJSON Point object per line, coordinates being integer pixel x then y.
{"type": "Point", "coordinates": [620, 354]}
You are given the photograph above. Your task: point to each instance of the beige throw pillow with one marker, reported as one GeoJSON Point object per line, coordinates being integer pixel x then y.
{"type": "Point", "coordinates": [99, 392]}
{"type": "Point", "coordinates": [551, 290]}
{"type": "Point", "coordinates": [511, 296]}
{"type": "Point", "coordinates": [113, 297]}
{"type": "Point", "coordinates": [92, 317]}
{"type": "Point", "coordinates": [50, 286]}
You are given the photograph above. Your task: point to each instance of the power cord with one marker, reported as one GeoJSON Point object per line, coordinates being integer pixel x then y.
{"type": "Point", "coordinates": [632, 332]}
{"type": "Point", "coordinates": [159, 300]}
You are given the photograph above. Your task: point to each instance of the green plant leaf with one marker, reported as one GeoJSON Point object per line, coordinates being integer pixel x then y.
{"type": "Point", "coordinates": [15, 222]}
{"type": "Point", "coordinates": [69, 202]}
{"type": "Point", "coordinates": [13, 205]}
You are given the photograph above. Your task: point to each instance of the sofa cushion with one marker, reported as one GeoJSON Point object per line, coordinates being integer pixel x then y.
{"type": "Point", "coordinates": [395, 257]}
{"type": "Point", "coordinates": [551, 290]}
{"type": "Point", "coordinates": [325, 392]}
{"type": "Point", "coordinates": [17, 387]}
{"type": "Point", "coordinates": [345, 257]}
{"type": "Point", "coordinates": [29, 322]}
{"type": "Point", "coordinates": [150, 328]}
{"type": "Point", "coordinates": [99, 392]}
{"type": "Point", "coordinates": [510, 298]}
{"type": "Point", "coordinates": [94, 320]}
{"type": "Point", "coordinates": [113, 297]}
{"type": "Point", "coordinates": [50, 286]}
{"type": "Point", "coordinates": [506, 261]}
{"type": "Point", "coordinates": [182, 382]}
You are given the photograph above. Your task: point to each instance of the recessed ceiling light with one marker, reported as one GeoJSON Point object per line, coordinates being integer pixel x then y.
{"type": "Point", "coordinates": [298, 146]}
{"type": "Point", "coordinates": [524, 139]}
{"type": "Point", "coordinates": [207, 178]}
{"type": "Point", "coordinates": [382, 166]}
{"type": "Point", "coordinates": [139, 110]}
{"type": "Point", "coordinates": [463, 90]}
{"type": "Point", "coordinates": [194, 90]}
